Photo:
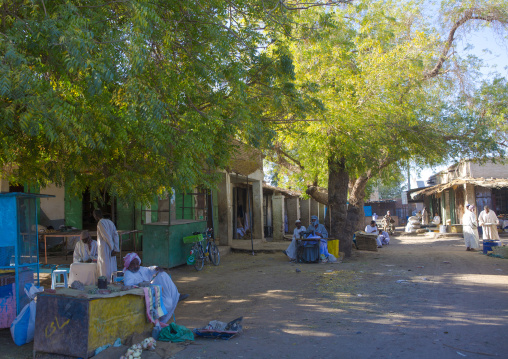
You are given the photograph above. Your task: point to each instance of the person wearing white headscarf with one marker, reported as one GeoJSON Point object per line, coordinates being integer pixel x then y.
{"type": "Point", "coordinates": [108, 245]}
{"type": "Point", "coordinates": [85, 249]}
{"type": "Point", "coordinates": [320, 233]}
{"type": "Point", "coordinates": [470, 229]}
{"type": "Point", "coordinates": [135, 274]}
{"type": "Point", "coordinates": [488, 220]}
{"type": "Point", "coordinates": [292, 248]}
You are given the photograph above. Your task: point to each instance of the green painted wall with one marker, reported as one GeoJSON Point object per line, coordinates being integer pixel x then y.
{"type": "Point", "coordinates": [73, 210]}
{"type": "Point", "coordinates": [163, 245]}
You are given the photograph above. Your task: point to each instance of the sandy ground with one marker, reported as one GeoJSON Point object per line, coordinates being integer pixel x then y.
{"type": "Point", "coordinates": [419, 297]}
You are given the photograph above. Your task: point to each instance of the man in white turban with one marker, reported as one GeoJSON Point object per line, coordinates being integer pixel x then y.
{"type": "Point", "coordinates": [488, 220]}
{"type": "Point", "coordinates": [85, 250]}
{"type": "Point", "coordinates": [470, 229]}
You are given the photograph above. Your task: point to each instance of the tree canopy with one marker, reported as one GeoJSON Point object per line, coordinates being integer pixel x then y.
{"type": "Point", "coordinates": [384, 75]}
{"type": "Point", "coordinates": [136, 97]}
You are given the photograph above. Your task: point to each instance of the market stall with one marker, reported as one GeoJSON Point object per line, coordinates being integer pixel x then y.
{"type": "Point", "coordinates": [19, 252]}
{"type": "Point", "coordinates": [76, 322]}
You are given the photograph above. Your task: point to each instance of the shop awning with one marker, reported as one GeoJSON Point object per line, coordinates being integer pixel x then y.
{"type": "Point", "coordinates": [489, 183]}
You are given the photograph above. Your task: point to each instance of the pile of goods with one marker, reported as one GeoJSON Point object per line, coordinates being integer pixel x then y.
{"type": "Point", "coordinates": [136, 350]}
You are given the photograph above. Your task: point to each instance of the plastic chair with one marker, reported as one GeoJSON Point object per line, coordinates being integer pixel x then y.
{"type": "Point", "coordinates": [55, 279]}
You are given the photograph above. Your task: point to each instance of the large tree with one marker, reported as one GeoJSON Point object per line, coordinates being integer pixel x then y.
{"type": "Point", "coordinates": [136, 97]}
{"type": "Point", "coordinates": [384, 76]}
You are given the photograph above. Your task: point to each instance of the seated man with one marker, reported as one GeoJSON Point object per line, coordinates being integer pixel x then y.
{"type": "Point", "coordinates": [383, 237]}
{"type": "Point", "coordinates": [436, 220]}
{"type": "Point", "coordinates": [292, 248]}
{"type": "Point", "coordinates": [320, 233]}
{"type": "Point", "coordinates": [372, 227]}
{"type": "Point", "coordinates": [85, 250]}
{"type": "Point", "coordinates": [134, 274]}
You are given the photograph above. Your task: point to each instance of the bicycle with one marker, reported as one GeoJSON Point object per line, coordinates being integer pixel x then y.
{"type": "Point", "coordinates": [202, 252]}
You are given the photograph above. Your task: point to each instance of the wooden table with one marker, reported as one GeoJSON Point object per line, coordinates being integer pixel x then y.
{"type": "Point", "coordinates": [65, 235]}
{"type": "Point", "coordinates": [75, 233]}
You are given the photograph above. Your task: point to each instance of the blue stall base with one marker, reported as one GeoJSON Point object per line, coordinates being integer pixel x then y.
{"type": "Point", "coordinates": [488, 244]}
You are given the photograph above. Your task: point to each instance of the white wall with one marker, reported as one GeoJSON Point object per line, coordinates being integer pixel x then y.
{"type": "Point", "coordinates": [488, 170]}
{"type": "Point", "coordinates": [53, 207]}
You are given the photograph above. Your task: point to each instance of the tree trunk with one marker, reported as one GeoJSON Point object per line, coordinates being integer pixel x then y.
{"type": "Point", "coordinates": [355, 213]}
{"type": "Point", "coordinates": [338, 180]}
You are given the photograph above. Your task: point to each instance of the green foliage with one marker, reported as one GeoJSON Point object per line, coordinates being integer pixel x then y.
{"type": "Point", "coordinates": [370, 66]}
{"type": "Point", "coordinates": [136, 97]}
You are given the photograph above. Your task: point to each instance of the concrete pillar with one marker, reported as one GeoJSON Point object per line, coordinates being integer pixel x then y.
{"type": "Point", "coordinates": [293, 211]}
{"type": "Point", "coordinates": [445, 206]}
{"type": "Point", "coordinates": [278, 217]}
{"type": "Point", "coordinates": [225, 211]}
{"type": "Point", "coordinates": [4, 185]}
{"type": "Point", "coordinates": [257, 210]}
{"type": "Point", "coordinates": [321, 215]}
{"type": "Point", "coordinates": [469, 196]}
{"type": "Point", "coordinates": [305, 212]}
{"type": "Point", "coordinates": [314, 207]}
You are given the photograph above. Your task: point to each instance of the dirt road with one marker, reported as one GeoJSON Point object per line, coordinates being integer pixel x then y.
{"type": "Point", "coordinates": [419, 297]}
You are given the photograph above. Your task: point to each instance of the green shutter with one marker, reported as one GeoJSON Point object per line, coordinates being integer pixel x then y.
{"type": "Point", "coordinates": [73, 209]}
{"type": "Point", "coordinates": [124, 215]}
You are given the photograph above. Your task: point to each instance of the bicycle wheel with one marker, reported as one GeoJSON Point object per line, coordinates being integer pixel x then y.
{"type": "Point", "coordinates": [213, 253]}
{"type": "Point", "coordinates": [199, 257]}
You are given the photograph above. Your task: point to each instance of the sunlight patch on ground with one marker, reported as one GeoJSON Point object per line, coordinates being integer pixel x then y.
{"type": "Point", "coordinates": [188, 279]}
{"type": "Point", "coordinates": [307, 333]}
{"type": "Point", "coordinates": [238, 301]}
{"type": "Point", "coordinates": [277, 293]}
{"type": "Point", "coordinates": [485, 279]}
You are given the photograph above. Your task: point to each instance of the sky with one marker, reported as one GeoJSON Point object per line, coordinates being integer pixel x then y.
{"type": "Point", "coordinates": [488, 46]}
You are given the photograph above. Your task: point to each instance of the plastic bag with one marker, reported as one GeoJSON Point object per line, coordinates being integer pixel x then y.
{"type": "Point", "coordinates": [23, 327]}
{"type": "Point", "coordinates": [216, 329]}
{"type": "Point", "coordinates": [175, 333]}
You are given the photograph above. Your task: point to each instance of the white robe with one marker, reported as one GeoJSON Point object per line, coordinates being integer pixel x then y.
{"type": "Point", "coordinates": [170, 293]}
{"type": "Point", "coordinates": [107, 240]}
{"type": "Point", "coordinates": [371, 229]}
{"type": "Point", "coordinates": [83, 253]}
{"type": "Point", "coordinates": [374, 229]}
{"type": "Point", "coordinates": [470, 229]}
{"type": "Point", "coordinates": [291, 251]}
{"type": "Point", "coordinates": [384, 238]}
{"type": "Point", "coordinates": [489, 231]}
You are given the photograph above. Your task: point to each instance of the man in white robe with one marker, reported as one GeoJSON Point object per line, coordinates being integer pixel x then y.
{"type": "Point", "coordinates": [488, 220]}
{"type": "Point", "coordinates": [85, 250]}
{"type": "Point", "coordinates": [321, 234]}
{"type": "Point", "coordinates": [135, 274]}
{"type": "Point", "coordinates": [108, 245]}
{"type": "Point", "coordinates": [383, 237]}
{"type": "Point", "coordinates": [470, 229]}
{"type": "Point", "coordinates": [292, 248]}
{"type": "Point", "coordinates": [372, 228]}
